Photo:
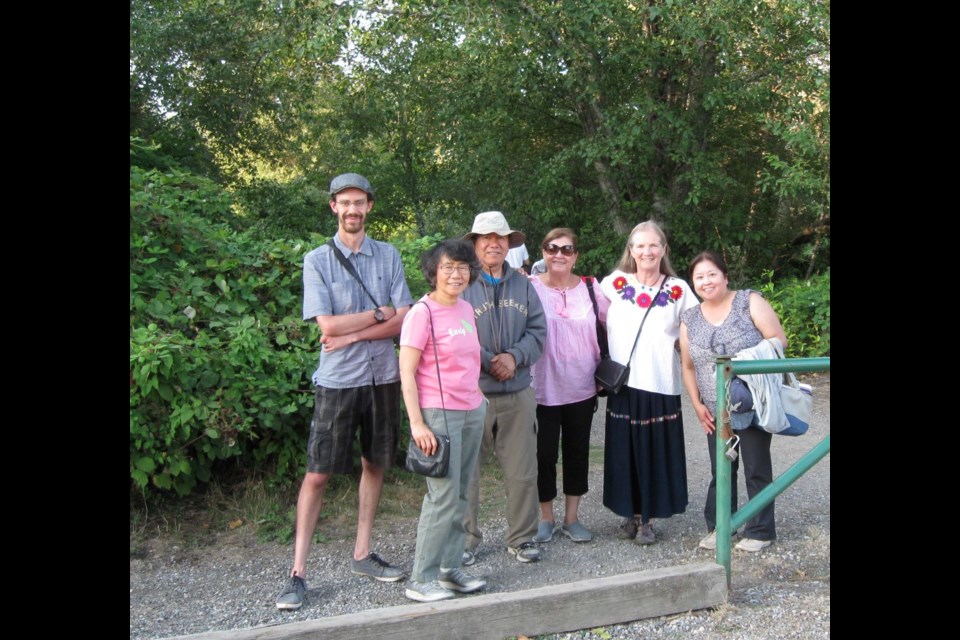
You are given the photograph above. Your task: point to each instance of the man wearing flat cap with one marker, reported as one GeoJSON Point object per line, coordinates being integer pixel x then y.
{"type": "Point", "coordinates": [354, 288]}
{"type": "Point", "coordinates": [512, 328]}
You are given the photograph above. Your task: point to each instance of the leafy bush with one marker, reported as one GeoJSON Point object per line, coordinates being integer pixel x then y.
{"type": "Point", "coordinates": [219, 356]}
{"type": "Point", "coordinates": [803, 307]}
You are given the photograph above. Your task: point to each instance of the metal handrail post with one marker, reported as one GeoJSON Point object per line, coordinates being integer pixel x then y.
{"type": "Point", "coordinates": [721, 419]}
{"type": "Point", "coordinates": [775, 488]}
{"type": "Point", "coordinates": [727, 522]}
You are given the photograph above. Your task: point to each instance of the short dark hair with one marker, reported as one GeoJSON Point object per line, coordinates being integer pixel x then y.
{"type": "Point", "coordinates": [708, 256]}
{"type": "Point", "coordinates": [455, 249]}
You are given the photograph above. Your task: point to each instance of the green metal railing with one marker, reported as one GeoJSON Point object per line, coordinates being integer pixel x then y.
{"type": "Point", "coordinates": [727, 522]}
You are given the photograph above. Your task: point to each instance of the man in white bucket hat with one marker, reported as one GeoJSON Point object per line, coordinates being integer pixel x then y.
{"type": "Point", "coordinates": [512, 329]}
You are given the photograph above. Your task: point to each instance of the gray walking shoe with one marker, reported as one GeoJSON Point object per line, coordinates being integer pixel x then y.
{"type": "Point", "coordinates": [646, 535]}
{"type": "Point", "coordinates": [628, 529]}
{"type": "Point", "coordinates": [460, 580]}
{"type": "Point", "coordinates": [526, 552]}
{"type": "Point", "coordinates": [291, 598]}
{"type": "Point", "coordinates": [376, 567]}
{"type": "Point", "coordinates": [545, 531]}
{"type": "Point", "coordinates": [428, 591]}
{"type": "Point", "coordinates": [577, 532]}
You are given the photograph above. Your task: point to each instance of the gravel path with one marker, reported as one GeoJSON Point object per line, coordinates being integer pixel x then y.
{"type": "Point", "coordinates": [782, 592]}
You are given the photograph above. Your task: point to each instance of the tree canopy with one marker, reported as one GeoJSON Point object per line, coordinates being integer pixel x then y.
{"type": "Point", "coordinates": [712, 117]}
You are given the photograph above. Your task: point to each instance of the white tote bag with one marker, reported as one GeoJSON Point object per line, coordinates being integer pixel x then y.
{"type": "Point", "coordinates": [797, 401]}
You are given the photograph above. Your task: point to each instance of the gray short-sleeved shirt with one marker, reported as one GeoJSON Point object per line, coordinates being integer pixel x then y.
{"type": "Point", "coordinates": [329, 289]}
{"type": "Point", "coordinates": [736, 332]}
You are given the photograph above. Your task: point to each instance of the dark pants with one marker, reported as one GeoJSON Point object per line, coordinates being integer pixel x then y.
{"type": "Point", "coordinates": [573, 421]}
{"type": "Point", "coordinates": [758, 471]}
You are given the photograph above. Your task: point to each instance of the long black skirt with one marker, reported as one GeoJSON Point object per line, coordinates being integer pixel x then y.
{"type": "Point", "coordinates": [644, 461]}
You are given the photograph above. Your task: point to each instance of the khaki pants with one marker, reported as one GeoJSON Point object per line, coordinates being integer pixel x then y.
{"type": "Point", "coordinates": [510, 432]}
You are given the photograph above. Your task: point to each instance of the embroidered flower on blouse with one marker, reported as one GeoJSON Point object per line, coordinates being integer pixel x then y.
{"type": "Point", "coordinates": [629, 293]}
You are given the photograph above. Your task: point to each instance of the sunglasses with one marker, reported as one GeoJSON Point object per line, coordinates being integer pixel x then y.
{"type": "Point", "coordinates": [567, 249]}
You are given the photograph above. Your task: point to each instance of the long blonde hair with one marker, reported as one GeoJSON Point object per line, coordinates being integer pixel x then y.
{"type": "Point", "coordinates": [628, 265]}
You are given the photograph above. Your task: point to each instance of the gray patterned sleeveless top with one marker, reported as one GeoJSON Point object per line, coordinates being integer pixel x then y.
{"type": "Point", "coordinates": [736, 332]}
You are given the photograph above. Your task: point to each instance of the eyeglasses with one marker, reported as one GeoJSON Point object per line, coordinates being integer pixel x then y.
{"type": "Point", "coordinates": [359, 204]}
{"type": "Point", "coordinates": [448, 269]}
{"type": "Point", "coordinates": [551, 249]}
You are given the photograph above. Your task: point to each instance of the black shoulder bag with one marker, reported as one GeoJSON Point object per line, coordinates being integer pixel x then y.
{"type": "Point", "coordinates": [610, 374]}
{"type": "Point", "coordinates": [601, 330]}
{"type": "Point", "coordinates": [349, 267]}
{"type": "Point", "coordinates": [437, 465]}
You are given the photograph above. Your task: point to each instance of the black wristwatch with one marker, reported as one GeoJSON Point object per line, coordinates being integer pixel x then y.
{"type": "Point", "coordinates": [378, 315]}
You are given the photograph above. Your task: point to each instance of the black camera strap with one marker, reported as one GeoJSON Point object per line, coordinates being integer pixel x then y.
{"type": "Point", "coordinates": [601, 330]}
{"type": "Point", "coordinates": [349, 267]}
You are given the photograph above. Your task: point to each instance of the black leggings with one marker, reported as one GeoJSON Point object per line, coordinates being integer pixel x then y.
{"type": "Point", "coordinates": [573, 421]}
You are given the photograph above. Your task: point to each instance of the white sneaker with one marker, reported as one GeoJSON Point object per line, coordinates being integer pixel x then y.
{"type": "Point", "coordinates": [751, 545]}
{"type": "Point", "coordinates": [427, 591]}
{"type": "Point", "coordinates": [709, 541]}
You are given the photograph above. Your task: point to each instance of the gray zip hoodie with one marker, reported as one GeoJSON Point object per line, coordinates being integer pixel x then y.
{"type": "Point", "coordinates": [510, 319]}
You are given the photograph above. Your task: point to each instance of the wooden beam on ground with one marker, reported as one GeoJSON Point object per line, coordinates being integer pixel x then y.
{"type": "Point", "coordinates": [586, 604]}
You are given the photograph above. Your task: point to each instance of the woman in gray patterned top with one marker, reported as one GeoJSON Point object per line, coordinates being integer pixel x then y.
{"type": "Point", "coordinates": [723, 324]}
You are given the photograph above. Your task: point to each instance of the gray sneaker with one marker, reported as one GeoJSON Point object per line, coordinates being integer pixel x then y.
{"type": "Point", "coordinates": [469, 558]}
{"type": "Point", "coordinates": [577, 532]}
{"type": "Point", "coordinates": [545, 531]}
{"type": "Point", "coordinates": [629, 528]}
{"type": "Point", "coordinates": [460, 580]}
{"type": "Point", "coordinates": [427, 591]}
{"type": "Point", "coordinates": [646, 534]}
{"type": "Point", "coordinates": [526, 552]}
{"type": "Point", "coordinates": [291, 598]}
{"type": "Point", "coordinates": [375, 567]}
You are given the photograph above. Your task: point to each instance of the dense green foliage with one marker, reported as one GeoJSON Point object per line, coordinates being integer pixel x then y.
{"type": "Point", "coordinates": [803, 307]}
{"type": "Point", "coordinates": [219, 357]}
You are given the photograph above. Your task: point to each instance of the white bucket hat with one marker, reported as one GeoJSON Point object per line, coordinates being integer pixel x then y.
{"type": "Point", "coordinates": [494, 222]}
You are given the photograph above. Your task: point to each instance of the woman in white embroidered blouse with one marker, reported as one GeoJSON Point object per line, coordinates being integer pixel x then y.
{"type": "Point", "coordinates": [645, 466]}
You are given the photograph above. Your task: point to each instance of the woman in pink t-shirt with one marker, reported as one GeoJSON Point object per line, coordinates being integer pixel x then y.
{"type": "Point", "coordinates": [439, 375]}
{"type": "Point", "coordinates": [563, 382]}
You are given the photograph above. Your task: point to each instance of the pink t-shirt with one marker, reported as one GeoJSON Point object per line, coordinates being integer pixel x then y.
{"type": "Point", "coordinates": [564, 374]}
{"type": "Point", "coordinates": [457, 347]}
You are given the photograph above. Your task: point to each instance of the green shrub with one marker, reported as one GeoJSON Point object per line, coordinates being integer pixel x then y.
{"type": "Point", "coordinates": [803, 307]}
{"type": "Point", "coordinates": [219, 356]}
